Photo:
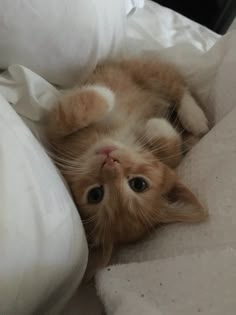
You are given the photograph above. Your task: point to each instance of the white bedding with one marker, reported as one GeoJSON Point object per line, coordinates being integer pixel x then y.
{"type": "Point", "coordinates": [181, 269]}
{"type": "Point", "coordinates": [43, 248]}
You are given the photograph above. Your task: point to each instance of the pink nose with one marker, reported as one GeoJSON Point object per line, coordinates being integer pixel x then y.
{"type": "Point", "coordinates": [106, 150]}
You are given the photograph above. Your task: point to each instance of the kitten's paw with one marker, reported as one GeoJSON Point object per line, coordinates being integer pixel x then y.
{"type": "Point", "coordinates": [192, 116]}
{"type": "Point", "coordinates": [103, 92]}
{"type": "Point", "coordinates": [160, 128]}
{"type": "Point", "coordinates": [81, 107]}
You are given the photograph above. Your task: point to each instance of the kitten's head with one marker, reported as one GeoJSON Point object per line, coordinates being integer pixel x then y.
{"type": "Point", "coordinates": [125, 192]}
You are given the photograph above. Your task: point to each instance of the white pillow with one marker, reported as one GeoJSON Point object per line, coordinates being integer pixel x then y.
{"type": "Point", "coordinates": [42, 243]}
{"type": "Point", "coordinates": [60, 40]}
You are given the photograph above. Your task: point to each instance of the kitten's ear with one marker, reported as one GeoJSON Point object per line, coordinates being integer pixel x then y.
{"type": "Point", "coordinates": [180, 204]}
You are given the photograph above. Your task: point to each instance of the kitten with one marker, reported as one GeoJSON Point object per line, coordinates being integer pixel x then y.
{"type": "Point", "coordinates": [117, 149]}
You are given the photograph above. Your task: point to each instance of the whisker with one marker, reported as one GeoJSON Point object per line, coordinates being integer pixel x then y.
{"type": "Point", "coordinates": [146, 222]}
{"type": "Point", "coordinates": [164, 146]}
{"type": "Point", "coordinates": [90, 220]}
{"type": "Point", "coordinates": [53, 147]}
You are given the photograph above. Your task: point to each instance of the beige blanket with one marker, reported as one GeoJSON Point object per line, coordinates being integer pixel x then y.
{"type": "Point", "coordinates": [190, 269]}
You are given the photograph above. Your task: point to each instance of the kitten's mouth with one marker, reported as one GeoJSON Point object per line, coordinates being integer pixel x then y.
{"type": "Point", "coordinates": [109, 162]}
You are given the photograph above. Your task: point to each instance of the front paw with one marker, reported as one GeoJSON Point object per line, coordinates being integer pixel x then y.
{"type": "Point", "coordinates": [81, 107]}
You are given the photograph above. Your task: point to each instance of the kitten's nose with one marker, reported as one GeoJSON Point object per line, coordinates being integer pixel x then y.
{"type": "Point", "coordinates": [106, 150]}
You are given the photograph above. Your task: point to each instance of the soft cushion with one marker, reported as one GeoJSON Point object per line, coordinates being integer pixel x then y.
{"type": "Point", "coordinates": [42, 243]}
{"type": "Point", "coordinates": [60, 40]}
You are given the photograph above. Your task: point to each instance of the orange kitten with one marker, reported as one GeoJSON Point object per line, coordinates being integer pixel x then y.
{"type": "Point", "coordinates": [117, 150]}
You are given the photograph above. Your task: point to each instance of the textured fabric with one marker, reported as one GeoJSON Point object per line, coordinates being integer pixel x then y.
{"type": "Point", "coordinates": [190, 269]}
{"type": "Point", "coordinates": [195, 284]}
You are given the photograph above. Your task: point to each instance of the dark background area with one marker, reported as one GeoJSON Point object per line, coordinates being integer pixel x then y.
{"type": "Point", "coordinates": [215, 14]}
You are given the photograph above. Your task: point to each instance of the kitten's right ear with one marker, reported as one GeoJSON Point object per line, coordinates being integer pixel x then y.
{"type": "Point", "coordinates": [78, 109]}
{"type": "Point", "coordinates": [179, 203]}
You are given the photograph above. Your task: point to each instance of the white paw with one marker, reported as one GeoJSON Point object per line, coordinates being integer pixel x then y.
{"type": "Point", "coordinates": [160, 128]}
{"type": "Point", "coordinates": [104, 92]}
{"type": "Point", "coordinates": [192, 117]}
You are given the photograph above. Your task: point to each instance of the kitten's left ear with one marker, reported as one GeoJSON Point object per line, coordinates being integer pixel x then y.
{"type": "Point", "coordinates": [179, 203]}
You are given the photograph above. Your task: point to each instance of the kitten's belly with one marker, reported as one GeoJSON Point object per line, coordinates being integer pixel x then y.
{"type": "Point", "coordinates": [139, 107]}
{"type": "Point", "coordinates": [125, 123]}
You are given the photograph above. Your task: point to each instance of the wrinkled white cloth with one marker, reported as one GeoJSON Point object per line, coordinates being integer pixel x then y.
{"type": "Point", "coordinates": [154, 27]}
{"type": "Point", "coordinates": [132, 5]}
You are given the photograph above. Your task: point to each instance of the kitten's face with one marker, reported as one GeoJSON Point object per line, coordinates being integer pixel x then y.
{"type": "Point", "coordinates": [119, 192]}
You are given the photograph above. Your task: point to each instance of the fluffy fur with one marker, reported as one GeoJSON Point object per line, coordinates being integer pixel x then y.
{"type": "Point", "coordinates": [117, 127]}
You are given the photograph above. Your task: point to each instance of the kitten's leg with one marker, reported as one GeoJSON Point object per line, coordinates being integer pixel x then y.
{"type": "Point", "coordinates": [164, 141]}
{"type": "Point", "coordinates": [191, 115]}
{"type": "Point", "coordinates": [79, 108]}
{"type": "Point", "coordinates": [167, 82]}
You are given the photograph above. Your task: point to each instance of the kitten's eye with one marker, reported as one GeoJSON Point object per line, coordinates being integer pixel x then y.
{"type": "Point", "coordinates": [95, 194]}
{"type": "Point", "coordinates": [138, 184]}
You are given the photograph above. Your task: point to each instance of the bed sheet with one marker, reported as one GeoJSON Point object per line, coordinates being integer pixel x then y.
{"type": "Point", "coordinates": [187, 269]}
{"type": "Point", "coordinates": [152, 29]}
